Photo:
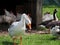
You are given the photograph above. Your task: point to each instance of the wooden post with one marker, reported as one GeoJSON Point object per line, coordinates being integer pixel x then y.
{"type": "Point", "coordinates": [38, 12]}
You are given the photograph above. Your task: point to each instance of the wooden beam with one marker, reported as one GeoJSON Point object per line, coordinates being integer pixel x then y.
{"type": "Point", "coordinates": [38, 12]}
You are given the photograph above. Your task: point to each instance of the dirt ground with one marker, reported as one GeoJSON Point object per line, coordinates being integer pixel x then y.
{"type": "Point", "coordinates": [32, 31]}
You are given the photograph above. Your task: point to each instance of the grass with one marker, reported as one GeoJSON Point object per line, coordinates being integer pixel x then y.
{"type": "Point", "coordinates": [33, 39]}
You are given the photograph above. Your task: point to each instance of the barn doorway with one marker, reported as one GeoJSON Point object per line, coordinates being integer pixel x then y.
{"type": "Point", "coordinates": [15, 6]}
{"type": "Point", "coordinates": [20, 6]}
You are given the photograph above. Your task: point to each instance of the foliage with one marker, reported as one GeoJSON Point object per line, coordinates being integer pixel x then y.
{"type": "Point", "coordinates": [51, 2]}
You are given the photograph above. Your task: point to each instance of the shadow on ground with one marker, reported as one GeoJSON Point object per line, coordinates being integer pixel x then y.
{"type": "Point", "coordinates": [8, 43]}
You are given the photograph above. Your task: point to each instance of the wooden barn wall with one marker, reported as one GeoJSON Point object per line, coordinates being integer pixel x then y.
{"type": "Point", "coordinates": [30, 6]}
{"type": "Point", "coordinates": [35, 8]}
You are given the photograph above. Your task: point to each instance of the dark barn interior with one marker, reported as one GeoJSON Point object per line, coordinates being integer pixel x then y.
{"type": "Point", "coordinates": [13, 4]}
{"type": "Point", "coordinates": [6, 4]}
{"type": "Point", "coordinates": [19, 6]}
{"type": "Point", "coordinates": [9, 5]}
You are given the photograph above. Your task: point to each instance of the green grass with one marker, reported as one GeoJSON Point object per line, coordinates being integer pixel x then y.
{"type": "Point", "coordinates": [51, 9]}
{"type": "Point", "coordinates": [33, 39]}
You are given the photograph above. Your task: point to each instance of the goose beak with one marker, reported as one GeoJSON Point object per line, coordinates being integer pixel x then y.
{"type": "Point", "coordinates": [29, 25]}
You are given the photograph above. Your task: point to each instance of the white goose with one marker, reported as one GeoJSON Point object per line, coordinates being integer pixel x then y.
{"type": "Point", "coordinates": [18, 28]}
{"type": "Point", "coordinates": [9, 16]}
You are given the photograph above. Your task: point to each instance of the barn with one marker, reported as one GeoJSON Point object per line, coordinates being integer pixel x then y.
{"type": "Point", "coordinates": [32, 6]}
